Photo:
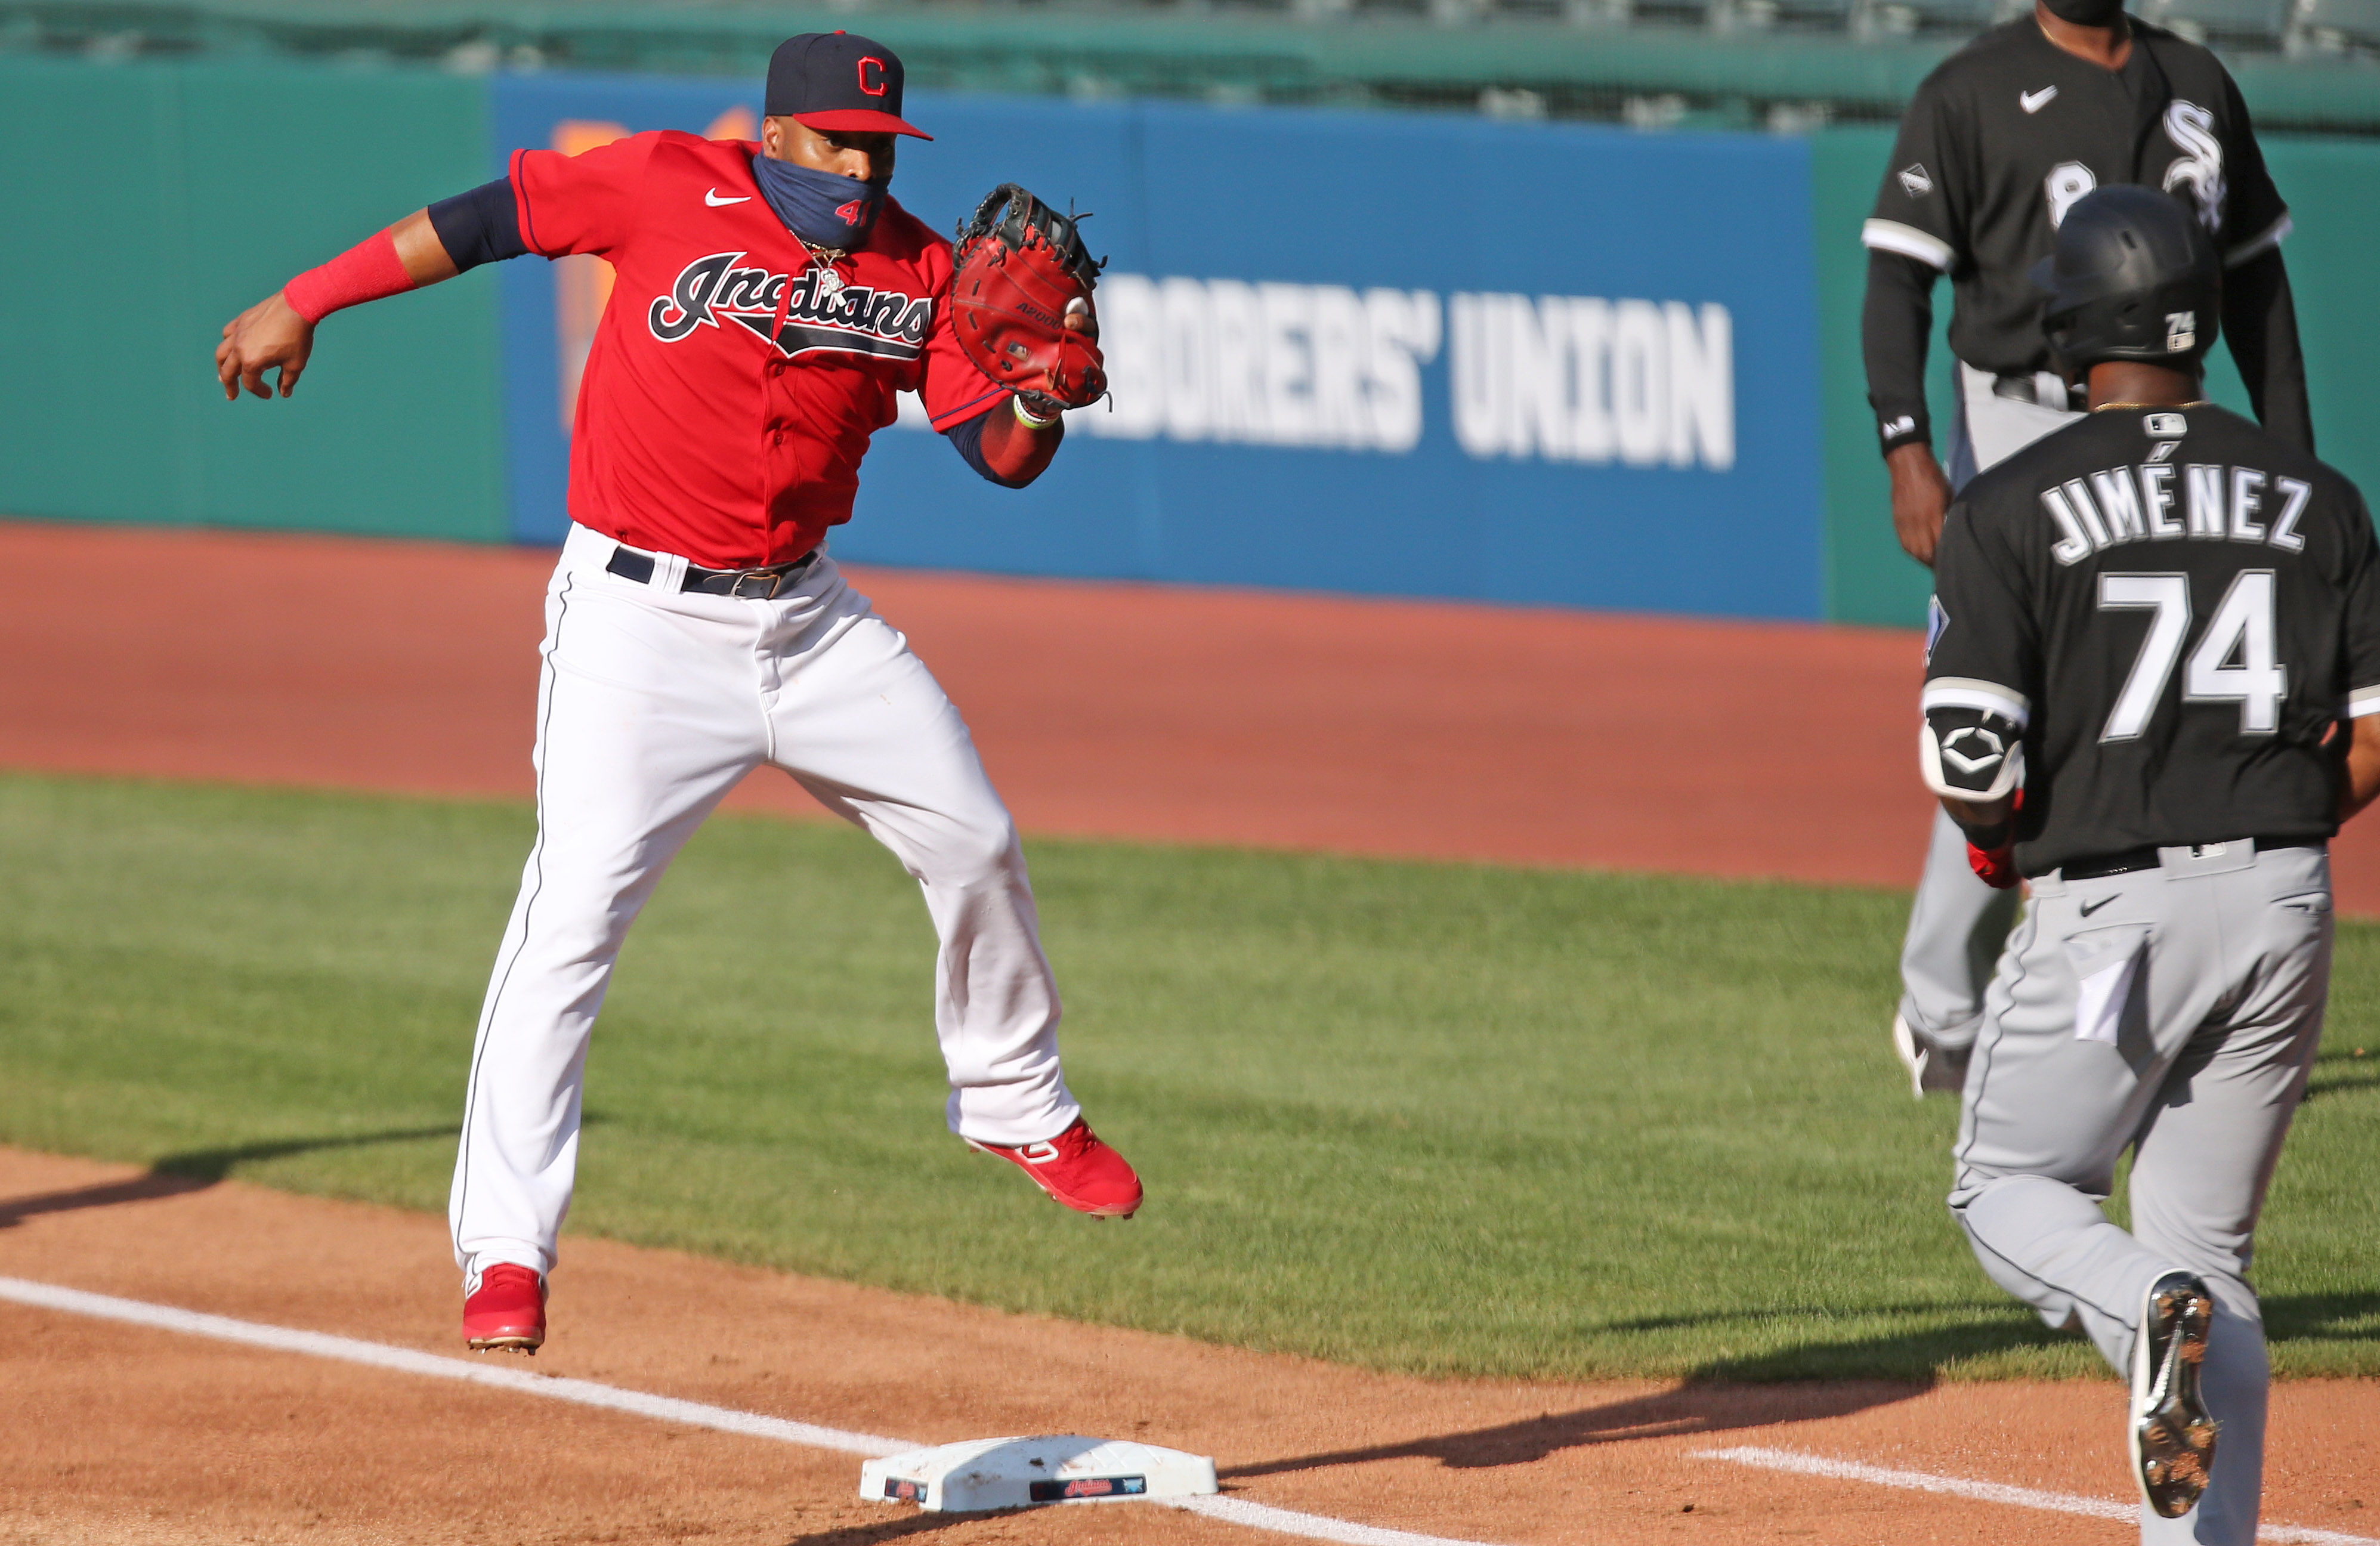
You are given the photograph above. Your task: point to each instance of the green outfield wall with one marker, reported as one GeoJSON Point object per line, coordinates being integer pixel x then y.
{"type": "Point", "coordinates": [146, 203]}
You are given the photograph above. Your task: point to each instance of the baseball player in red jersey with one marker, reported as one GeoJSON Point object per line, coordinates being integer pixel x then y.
{"type": "Point", "coordinates": [770, 300]}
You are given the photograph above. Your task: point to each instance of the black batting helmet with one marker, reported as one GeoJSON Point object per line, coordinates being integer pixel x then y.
{"type": "Point", "coordinates": [2135, 277]}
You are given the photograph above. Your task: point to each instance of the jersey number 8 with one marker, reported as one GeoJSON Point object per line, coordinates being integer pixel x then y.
{"type": "Point", "coordinates": [2233, 662]}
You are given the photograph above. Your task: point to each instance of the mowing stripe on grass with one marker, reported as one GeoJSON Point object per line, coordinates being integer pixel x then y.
{"type": "Point", "coordinates": [1993, 1492]}
{"type": "Point", "coordinates": [588, 1393]}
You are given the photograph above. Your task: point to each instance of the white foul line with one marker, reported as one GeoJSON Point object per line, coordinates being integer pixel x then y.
{"type": "Point", "coordinates": [1313, 1526]}
{"type": "Point", "coordinates": [1994, 1492]}
{"type": "Point", "coordinates": [405, 1360]}
{"type": "Point", "coordinates": [588, 1393]}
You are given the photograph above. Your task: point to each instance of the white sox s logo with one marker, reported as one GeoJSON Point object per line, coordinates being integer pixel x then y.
{"type": "Point", "coordinates": [2200, 169]}
{"type": "Point", "coordinates": [855, 319]}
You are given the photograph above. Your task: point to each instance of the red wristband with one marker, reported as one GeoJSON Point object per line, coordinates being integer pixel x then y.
{"type": "Point", "coordinates": [367, 271]}
{"type": "Point", "coordinates": [1995, 867]}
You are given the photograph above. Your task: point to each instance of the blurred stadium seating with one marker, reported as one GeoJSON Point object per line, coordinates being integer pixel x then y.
{"type": "Point", "coordinates": [2239, 23]}
{"type": "Point", "coordinates": [1782, 64]}
{"type": "Point", "coordinates": [2335, 26]}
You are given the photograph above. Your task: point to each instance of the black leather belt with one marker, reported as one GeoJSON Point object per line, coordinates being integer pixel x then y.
{"type": "Point", "coordinates": [2100, 866]}
{"type": "Point", "coordinates": [752, 585]}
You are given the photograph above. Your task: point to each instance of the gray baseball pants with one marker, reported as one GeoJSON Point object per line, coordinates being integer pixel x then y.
{"type": "Point", "coordinates": [2174, 1011]}
{"type": "Point", "coordinates": [1958, 923]}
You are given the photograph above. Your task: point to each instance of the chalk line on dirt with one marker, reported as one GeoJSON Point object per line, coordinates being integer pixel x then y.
{"type": "Point", "coordinates": [1993, 1492]}
{"type": "Point", "coordinates": [589, 1393]}
{"type": "Point", "coordinates": [1224, 1510]}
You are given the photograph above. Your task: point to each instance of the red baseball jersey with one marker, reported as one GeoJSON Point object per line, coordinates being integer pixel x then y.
{"type": "Point", "coordinates": [733, 387]}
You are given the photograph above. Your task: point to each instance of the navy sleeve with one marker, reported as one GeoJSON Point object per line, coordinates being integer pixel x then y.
{"type": "Point", "coordinates": [968, 440]}
{"type": "Point", "coordinates": [480, 227]}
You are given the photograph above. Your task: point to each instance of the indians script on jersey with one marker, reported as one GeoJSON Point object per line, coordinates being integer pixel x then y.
{"type": "Point", "coordinates": [855, 319]}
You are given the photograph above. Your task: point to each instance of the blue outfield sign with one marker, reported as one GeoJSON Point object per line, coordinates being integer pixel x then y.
{"type": "Point", "coordinates": [1397, 354]}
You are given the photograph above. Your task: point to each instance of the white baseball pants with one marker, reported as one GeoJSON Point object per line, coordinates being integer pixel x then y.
{"type": "Point", "coordinates": [653, 703]}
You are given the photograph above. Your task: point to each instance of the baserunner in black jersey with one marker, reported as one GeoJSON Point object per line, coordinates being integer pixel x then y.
{"type": "Point", "coordinates": [2154, 692]}
{"type": "Point", "coordinates": [1997, 145]}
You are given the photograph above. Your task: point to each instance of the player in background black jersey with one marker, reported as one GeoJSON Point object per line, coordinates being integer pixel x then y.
{"type": "Point", "coordinates": [1997, 144]}
{"type": "Point", "coordinates": [2153, 691]}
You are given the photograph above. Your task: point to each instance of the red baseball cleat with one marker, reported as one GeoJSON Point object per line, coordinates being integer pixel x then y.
{"type": "Point", "coordinates": [1078, 1170]}
{"type": "Point", "coordinates": [506, 1312]}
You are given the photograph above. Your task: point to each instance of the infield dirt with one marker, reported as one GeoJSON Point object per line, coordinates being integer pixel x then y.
{"type": "Point", "coordinates": [121, 1433]}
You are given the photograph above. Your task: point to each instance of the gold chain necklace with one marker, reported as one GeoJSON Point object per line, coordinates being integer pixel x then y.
{"type": "Point", "coordinates": [2176, 407]}
{"type": "Point", "coordinates": [830, 283]}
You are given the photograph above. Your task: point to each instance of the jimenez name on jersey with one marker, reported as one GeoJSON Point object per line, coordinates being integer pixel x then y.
{"type": "Point", "coordinates": [2156, 501]}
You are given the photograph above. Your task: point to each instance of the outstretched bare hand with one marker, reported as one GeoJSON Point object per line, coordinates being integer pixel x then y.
{"type": "Point", "coordinates": [268, 334]}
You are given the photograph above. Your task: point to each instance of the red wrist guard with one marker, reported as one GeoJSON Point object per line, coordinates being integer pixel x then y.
{"type": "Point", "coordinates": [1995, 867]}
{"type": "Point", "coordinates": [367, 271]}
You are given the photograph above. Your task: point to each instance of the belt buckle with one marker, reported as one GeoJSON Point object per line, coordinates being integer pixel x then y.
{"type": "Point", "coordinates": [767, 578]}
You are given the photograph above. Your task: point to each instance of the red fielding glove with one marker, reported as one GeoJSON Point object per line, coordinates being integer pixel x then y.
{"type": "Point", "coordinates": [367, 271]}
{"type": "Point", "coordinates": [1996, 867]}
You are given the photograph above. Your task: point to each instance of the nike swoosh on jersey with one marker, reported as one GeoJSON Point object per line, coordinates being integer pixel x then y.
{"type": "Point", "coordinates": [714, 200]}
{"type": "Point", "coordinates": [2087, 908]}
{"type": "Point", "coordinates": [2034, 101]}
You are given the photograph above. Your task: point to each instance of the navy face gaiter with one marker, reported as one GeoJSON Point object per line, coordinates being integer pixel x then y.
{"type": "Point", "coordinates": [822, 208]}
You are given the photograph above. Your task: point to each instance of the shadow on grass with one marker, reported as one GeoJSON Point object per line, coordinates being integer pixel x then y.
{"type": "Point", "coordinates": [178, 1174]}
{"type": "Point", "coordinates": [1914, 1356]}
{"type": "Point", "coordinates": [2321, 1318]}
{"type": "Point", "coordinates": [2335, 1076]}
{"type": "Point", "coordinates": [1997, 1327]}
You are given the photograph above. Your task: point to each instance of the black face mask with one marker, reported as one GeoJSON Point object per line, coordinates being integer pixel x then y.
{"type": "Point", "coordinates": [2086, 13]}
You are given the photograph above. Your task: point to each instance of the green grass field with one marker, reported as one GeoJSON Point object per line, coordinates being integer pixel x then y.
{"type": "Point", "coordinates": [1440, 1118]}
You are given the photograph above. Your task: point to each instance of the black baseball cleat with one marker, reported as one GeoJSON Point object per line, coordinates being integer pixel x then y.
{"type": "Point", "coordinates": [2173, 1434]}
{"type": "Point", "coordinates": [1934, 1069]}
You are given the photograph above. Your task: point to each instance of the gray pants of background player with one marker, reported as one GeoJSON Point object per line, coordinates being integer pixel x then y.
{"type": "Point", "coordinates": [1957, 925]}
{"type": "Point", "coordinates": [2176, 1010]}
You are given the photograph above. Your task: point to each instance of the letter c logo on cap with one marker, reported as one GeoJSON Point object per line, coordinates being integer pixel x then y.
{"type": "Point", "coordinates": [872, 84]}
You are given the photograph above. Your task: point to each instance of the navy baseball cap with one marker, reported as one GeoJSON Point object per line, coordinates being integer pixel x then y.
{"type": "Point", "coordinates": [838, 80]}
